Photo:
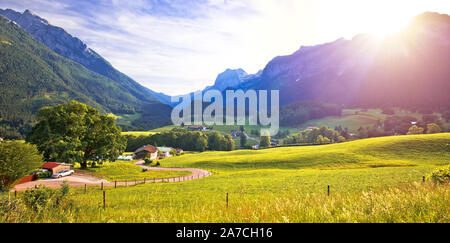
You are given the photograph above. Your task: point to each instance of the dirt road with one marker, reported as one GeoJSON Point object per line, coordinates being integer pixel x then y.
{"type": "Point", "coordinates": [82, 179]}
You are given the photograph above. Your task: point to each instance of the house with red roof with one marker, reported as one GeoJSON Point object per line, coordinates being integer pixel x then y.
{"type": "Point", "coordinates": [147, 151]}
{"type": "Point", "coordinates": [55, 167]}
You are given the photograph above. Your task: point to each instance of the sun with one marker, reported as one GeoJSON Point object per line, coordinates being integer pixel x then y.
{"type": "Point", "coordinates": [387, 25]}
{"type": "Point", "coordinates": [349, 18]}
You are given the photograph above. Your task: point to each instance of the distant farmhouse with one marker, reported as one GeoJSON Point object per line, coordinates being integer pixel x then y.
{"type": "Point", "coordinates": [197, 128]}
{"type": "Point", "coordinates": [235, 133]}
{"type": "Point", "coordinates": [147, 151]}
{"type": "Point", "coordinates": [165, 151]}
{"type": "Point", "coordinates": [125, 157]}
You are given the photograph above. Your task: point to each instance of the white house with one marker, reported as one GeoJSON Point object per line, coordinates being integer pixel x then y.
{"type": "Point", "coordinates": [165, 151]}
{"type": "Point", "coordinates": [125, 157]}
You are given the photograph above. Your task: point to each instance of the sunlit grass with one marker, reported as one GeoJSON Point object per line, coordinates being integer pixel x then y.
{"type": "Point", "coordinates": [127, 171]}
{"type": "Point", "coordinates": [370, 180]}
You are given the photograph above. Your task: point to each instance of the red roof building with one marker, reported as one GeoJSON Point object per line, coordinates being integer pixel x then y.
{"type": "Point", "coordinates": [55, 167]}
{"type": "Point", "coordinates": [143, 152]}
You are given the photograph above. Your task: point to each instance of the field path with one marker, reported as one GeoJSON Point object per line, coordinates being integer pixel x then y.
{"type": "Point", "coordinates": [81, 178]}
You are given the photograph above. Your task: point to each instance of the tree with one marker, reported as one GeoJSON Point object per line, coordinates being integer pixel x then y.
{"type": "Point", "coordinates": [17, 159]}
{"type": "Point", "coordinates": [75, 132]}
{"type": "Point", "coordinates": [229, 143]}
{"type": "Point", "coordinates": [429, 118]}
{"type": "Point", "coordinates": [319, 140]}
{"type": "Point", "coordinates": [415, 130]}
{"type": "Point", "coordinates": [433, 128]}
{"type": "Point", "coordinates": [243, 140]}
{"type": "Point", "coordinates": [446, 115]}
{"type": "Point", "coordinates": [264, 141]}
{"type": "Point", "coordinates": [362, 133]}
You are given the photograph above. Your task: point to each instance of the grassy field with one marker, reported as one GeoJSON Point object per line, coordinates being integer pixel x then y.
{"type": "Point", "coordinates": [138, 133]}
{"type": "Point", "coordinates": [127, 171]}
{"type": "Point", "coordinates": [355, 118]}
{"type": "Point", "coordinates": [371, 180]}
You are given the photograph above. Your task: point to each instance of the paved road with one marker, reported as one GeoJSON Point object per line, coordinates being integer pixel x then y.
{"type": "Point", "coordinates": [82, 179]}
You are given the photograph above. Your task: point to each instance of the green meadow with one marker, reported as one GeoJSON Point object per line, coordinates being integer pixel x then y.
{"type": "Point", "coordinates": [370, 180]}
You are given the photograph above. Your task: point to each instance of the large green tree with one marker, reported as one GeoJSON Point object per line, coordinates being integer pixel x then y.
{"type": "Point", "coordinates": [76, 132]}
{"type": "Point", "coordinates": [17, 159]}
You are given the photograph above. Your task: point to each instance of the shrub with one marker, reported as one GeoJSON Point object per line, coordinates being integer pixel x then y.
{"type": "Point", "coordinates": [44, 174]}
{"type": "Point", "coordinates": [415, 130]}
{"type": "Point", "coordinates": [433, 128]}
{"type": "Point", "coordinates": [44, 198]}
{"type": "Point", "coordinates": [441, 175]}
{"type": "Point", "coordinates": [157, 163]}
{"type": "Point", "coordinates": [148, 161]}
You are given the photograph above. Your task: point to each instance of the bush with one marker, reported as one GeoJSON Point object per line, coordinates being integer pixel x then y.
{"type": "Point", "coordinates": [433, 128]}
{"type": "Point", "coordinates": [441, 175]}
{"type": "Point", "coordinates": [415, 130]}
{"type": "Point", "coordinates": [148, 161]}
{"type": "Point", "coordinates": [44, 174]}
{"type": "Point", "coordinates": [157, 163]}
{"type": "Point", "coordinates": [44, 198]}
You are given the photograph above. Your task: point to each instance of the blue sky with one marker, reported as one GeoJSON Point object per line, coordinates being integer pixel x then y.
{"type": "Point", "coordinates": [178, 46]}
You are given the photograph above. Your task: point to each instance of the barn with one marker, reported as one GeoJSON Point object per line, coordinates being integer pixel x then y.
{"type": "Point", "coordinates": [55, 167]}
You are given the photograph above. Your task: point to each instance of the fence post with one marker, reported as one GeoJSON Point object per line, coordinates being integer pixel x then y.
{"type": "Point", "coordinates": [227, 199]}
{"type": "Point", "coordinates": [15, 194]}
{"type": "Point", "coordinates": [423, 179]}
{"type": "Point", "coordinates": [115, 184]}
{"type": "Point", "coordinates": [144, 180]}
{"type": "Point", "coordinates": [102, 185]}
{"type": "Point", "coordinates": [328, 190]}
{"type": "Point", "coordinates": [85, 188]}
{"type": "Point", "coordinates": [104, 200]}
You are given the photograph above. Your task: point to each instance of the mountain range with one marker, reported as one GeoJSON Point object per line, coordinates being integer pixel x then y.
{"type": "Point", "coordinates": [41, 64]}
{"type": "Point", "coordinates": [410, 69]}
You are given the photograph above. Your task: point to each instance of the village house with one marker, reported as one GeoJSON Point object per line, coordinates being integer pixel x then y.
{"type": "Point", "coordinates": [125, 157]}
{"type": "Point", "coordinates": [197, 128]}
{"type": "Point", "coordinates": [55, 167]}
{"type": "Point", "coordinates": [165, 151]}
{"type": "Point", "coordinates": [235, 133]}
{"type": "Point", "coordinates": [147, 151]}
{"type": "Point", "coordinates": [179, 151]}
